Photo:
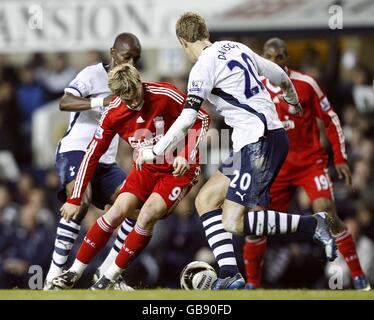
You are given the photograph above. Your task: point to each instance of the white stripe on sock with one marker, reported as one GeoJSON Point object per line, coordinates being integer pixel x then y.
{"type": "Point", "coordinates": [211, 220]}
{"type": "Point", "coordinates": [260, 223]}
{"type": "Point", "coordinates": [227, 261]}
{"type": "Point", "coordinates": [283, 223]}
{"type": "Point", "coordinates": [271, 222]}
{"type": "Point", "coordinates": [294, 222]}
{"type": "Point", "coordinates": [219, 237]}
{"type": "Point", "coordinates": [222, 249]}
{"type": "Point", "coordinates": [214, 228]}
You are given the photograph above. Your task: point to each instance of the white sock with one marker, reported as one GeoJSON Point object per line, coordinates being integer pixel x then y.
{"type": "Point", "coordinates": [78, 267]}
{"type": "Point", "coordinates": [53, 272]}
{"type": "Point", "coordinates": [113, 272]}
{"type": "Point", "coordinates": [108, 261]}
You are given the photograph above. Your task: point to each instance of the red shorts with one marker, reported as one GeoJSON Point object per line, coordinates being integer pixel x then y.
{"type": "Point", "coordinates": [314, 179]}
{"type": "Point", "coordinates": [172, 189]}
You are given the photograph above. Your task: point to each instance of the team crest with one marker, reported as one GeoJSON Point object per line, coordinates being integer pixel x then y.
{"type": "Point", "coordinates": [159, 122]}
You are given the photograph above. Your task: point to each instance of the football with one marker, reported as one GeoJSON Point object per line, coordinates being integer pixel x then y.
{"type": "Point", "coordinates": [197, 275]}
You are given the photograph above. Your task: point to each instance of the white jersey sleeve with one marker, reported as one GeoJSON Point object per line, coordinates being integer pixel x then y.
{"type": "Point", "coordinates": [81, 85]}
{"type": "Point", "coordinates": [201, 80]}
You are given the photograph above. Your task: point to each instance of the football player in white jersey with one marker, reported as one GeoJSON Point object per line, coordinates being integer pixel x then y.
{"type": "Point", "coordinates": [86, 97]}
{"type": "Point", "coordinates": [235, 198]}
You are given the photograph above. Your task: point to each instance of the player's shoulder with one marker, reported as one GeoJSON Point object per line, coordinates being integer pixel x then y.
{"type": "Point", "coordinates": [92, 71]}
{"type": "Point", "coordinates": [307, 81]}
{"type": "Point", "coordinates": [166, 90]}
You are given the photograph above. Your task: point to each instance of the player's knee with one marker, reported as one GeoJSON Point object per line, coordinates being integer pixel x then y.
{"type": "Point", "coordinates": [323, 204]}
{"type": "Point", "coordinates": [206, 201]}
{"type": "Point", "coordinates": [231, 224]}
{"type": "Point", "coordinates": [147, 219]}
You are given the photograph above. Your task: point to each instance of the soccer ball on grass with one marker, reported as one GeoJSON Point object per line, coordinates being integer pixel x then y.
{"type": "Point", "coordinates": [197, 275]}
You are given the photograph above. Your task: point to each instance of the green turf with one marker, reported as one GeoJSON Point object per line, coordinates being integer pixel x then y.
{"type": "Point", "coordinates": [165, 294]}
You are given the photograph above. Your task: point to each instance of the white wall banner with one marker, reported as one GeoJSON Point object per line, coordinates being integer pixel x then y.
{"type": "Point", "coordinates": [269, 15]}
{"type": "Point", "coordinates": [52, 25]}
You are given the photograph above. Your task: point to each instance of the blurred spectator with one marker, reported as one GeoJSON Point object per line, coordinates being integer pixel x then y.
{"type": "Point", "coordinates": [52, 186]}
{"type": "Point", "coordinates": [9, 118]}
{"type": "Point", "coordinates": [362, 90]}
{"type": "Point", "coordinates": [57, 78]}
{"type": "Point", "coordinates": [30, 96]}
{"type": "Point", "coordinates": [311, 63]}
{"type": "Point", "coordinates": [37, 200]}
{"type": "Point", "coordinates": [95, 57]}
{"type": "Point", "coordinates": [29, 244]}
{"type": "Point", "coordinates": [24, 186]}
{"type": "Point", "coordinates": [8, 209]}
{"type": "Point", "coordinates": [8, 72]}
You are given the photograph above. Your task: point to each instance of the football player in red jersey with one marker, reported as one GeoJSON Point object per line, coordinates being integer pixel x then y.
{"type": "Point", "coordinates": [140, 113]}
{"type": "Point", "coordinates": [306, 164]}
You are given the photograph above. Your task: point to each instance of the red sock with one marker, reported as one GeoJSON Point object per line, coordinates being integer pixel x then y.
{"type": "Point", "coordinates": [253, 253]}
{"type": "Point", "coordinates": [347, 248]}
{"type": "Point", "coordinates": [95, 240]}
{"type": "Point", "coordinates": [135, 242]}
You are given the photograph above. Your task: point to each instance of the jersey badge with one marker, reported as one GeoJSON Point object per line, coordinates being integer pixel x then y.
{"type": "Point", "coordinates": [99, 133]}
{"type": "Point", "coordinates": [325, 104]}
{"type": "Point", "coordinates": [195, 86]}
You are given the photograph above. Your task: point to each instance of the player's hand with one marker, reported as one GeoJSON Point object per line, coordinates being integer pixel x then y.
{"type": "Point", "coordinates": [344, 172]}
{"type": "Point", "coordinates": [108, 99]}
{"type": "Point", "coordinates": [180, 166]}
{"type": "Point", "coordinates": [69, 211]}
{"type": "Point", "coordinates": [144, 156]}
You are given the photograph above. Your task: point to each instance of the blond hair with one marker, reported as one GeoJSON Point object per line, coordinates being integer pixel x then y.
{"type": "Point", "coordinates": [192, 27]}
{"type": "Point", "coordinates": [123, 81]}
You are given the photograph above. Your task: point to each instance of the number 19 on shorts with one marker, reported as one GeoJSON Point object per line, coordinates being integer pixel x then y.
{"type": "Point", "coordinates": [322, 182]}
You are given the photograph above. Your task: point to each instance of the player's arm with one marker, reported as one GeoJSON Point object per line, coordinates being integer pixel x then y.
{"type": "Point", "coordinates": [324, 111]}
{"type": "Point", "coordinates": [75, 103]}
{"type": "Point", "coordinates": [191, 144]}
{"type": "Point", "coordinates": [76, 95]}
{"type": "Point", "coordinates": [278, 77]}
{"type": "Point", "coordinates": [98, 146]}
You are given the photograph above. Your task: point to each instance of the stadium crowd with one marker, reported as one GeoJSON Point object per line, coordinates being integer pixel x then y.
{"type": "Point", "coordinates": [29, 209]}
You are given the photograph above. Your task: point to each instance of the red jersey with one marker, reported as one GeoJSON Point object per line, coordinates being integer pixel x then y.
{"type": "Point", "coordinates": [163, 103]}
{"type": "Point", "coordinates": [303, 132]}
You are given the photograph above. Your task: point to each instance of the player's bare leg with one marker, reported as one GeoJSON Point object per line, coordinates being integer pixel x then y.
{"type": "Point", "coordinates": [209, 207]}
{"type": "Point", "coordinates": [122, 233]}
{"type": "Point", "coordinates": [212, 194]}
{"type": "Point", "coordinates": [152, 210]}
{"type": "Point", "coordinates": [97, 237]}
{"type": "Point", "coordinates": [345, 242]}
{"type": "Point", "coordinates": [66, 235]}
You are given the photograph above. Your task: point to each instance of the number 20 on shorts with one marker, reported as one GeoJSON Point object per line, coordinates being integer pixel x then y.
{"type": "Point", "coordinates": [243, 180]}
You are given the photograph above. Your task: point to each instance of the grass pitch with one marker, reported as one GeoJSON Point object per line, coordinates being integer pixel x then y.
{"type": "Point", "coordinates": [167, 294]}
